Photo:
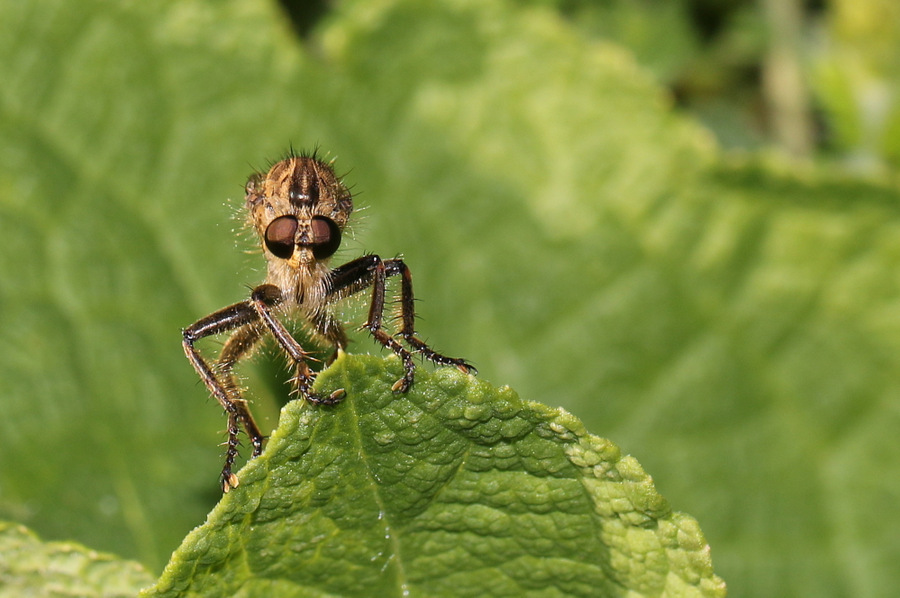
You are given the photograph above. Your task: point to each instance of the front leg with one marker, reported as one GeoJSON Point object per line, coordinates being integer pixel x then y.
{"type": "Point", "coordinates": [362, 273]}
{"type": "Point", "coordinates": [239, 316]}
{"type": "Point", "coordinates": [371, 270]}
{"type": "Point", "coordinates": [374, 326]}
{"type": "Point", "coordinates": [408, 319]}
{"type": "Point", "coordinates": [263, 298]}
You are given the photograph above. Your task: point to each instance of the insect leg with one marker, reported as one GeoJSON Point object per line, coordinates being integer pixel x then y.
{"type": "Point", "coordinates": [239, 344]}
{"type": "Point", "coordinates": [224, 320]}
{"type": "Point", "coordinates": [262, 299]}
{"type": "Point", "coordinates": [408, 319]}
{"type": "Point", "coordinates": [361, 273]}
{"type": "Point", "coordinates": [329, 328]}
{"type": "Point", "coordinates": [372, 271]}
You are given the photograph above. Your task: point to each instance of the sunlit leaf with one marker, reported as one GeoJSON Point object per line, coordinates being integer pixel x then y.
{"type": "Point", "coordinates": [456, 488]}
{"type": "Point", "coordinates": [29, 567]}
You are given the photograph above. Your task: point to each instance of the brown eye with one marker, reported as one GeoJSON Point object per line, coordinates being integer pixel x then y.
{"type": "Point", "coordinates": [279, 236]}
{"type": "Point", "coordinates": [326, 237]}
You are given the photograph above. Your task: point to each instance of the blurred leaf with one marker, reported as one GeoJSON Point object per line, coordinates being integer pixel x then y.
{"type": "Point", "coordinates": [29, 567]}
{"type": "Point", "coordinates": [567, 232]}
{"type": "Point", "coordinates": [659, 32]}
{"type": "Point", "coordinates": [456, 488]}
{"type": "Point", "coordinates": [871, 30]}
{"type": "Point", "coordinates": [856, 77]}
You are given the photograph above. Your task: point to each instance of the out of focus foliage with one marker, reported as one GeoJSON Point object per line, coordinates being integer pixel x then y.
{"type": "Point", "coordinates": [717, 57]}
{"type": "Point", "coordinates": [554, 174]}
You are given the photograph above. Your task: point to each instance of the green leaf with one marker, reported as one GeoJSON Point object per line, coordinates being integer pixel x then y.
{"type": "Point", "coordinates": [29, 567]}
{"type": "Point", "coordinates": [456, 488]}
{"type": "Point", "coordinates": [854, 72]}
{"type": "Point", "coordinates": [733, 326]}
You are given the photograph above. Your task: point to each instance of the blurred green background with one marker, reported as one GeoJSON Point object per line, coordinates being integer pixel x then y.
{"type": "Point", "coordinates": [679, 220]}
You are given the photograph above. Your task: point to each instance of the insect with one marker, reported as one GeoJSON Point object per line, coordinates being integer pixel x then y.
{"type": "Point", "coordinates": [299, 209]}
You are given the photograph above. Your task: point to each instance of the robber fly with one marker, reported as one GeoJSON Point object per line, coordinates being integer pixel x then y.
{"type": "Point", "coordinates": [299, 209]}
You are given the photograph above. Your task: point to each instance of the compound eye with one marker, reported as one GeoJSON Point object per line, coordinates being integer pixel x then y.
{"type": "Point", "coordinates": [279, 236]}
{"type": "Point", "coordinates": [326, 237]}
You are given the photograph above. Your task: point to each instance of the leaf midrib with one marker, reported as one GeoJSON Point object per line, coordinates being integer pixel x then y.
{"type": "Point", "coordinates": [393, 540]}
